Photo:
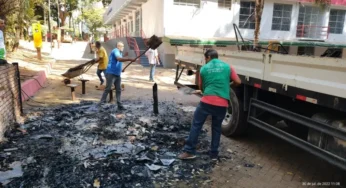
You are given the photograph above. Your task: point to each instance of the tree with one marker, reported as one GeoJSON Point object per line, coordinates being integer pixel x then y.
{"type": "Point", "coordinates": [258, 17]}
{"type": "Point", "coordinates": [19, 14]}
{"type": "Point", "coordinates": [323, 4]}
{"type": "Point", "coordinates": [93, 19]}
{"type": "Point", "coordinates": [65, 10]}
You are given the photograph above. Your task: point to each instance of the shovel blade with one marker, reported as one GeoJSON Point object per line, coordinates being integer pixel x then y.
{"type": "Point", "coordinates": [154, 42]}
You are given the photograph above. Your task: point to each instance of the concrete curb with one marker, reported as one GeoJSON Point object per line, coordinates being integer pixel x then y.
{"type": "Point", "coordinates": [31, 86]}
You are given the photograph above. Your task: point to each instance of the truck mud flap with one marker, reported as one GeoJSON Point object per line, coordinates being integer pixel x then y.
{"type": "Point", "coordinates": [256, 105]}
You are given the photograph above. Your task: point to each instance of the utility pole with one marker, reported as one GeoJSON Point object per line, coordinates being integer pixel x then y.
{"type": "Point", "coordinates": [49, 27]}
{"type": "Point", "coordinates": [59, 31]}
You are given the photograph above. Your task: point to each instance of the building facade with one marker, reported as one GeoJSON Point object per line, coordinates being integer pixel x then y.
{"type": "Point", "coordinates": [282, 20]}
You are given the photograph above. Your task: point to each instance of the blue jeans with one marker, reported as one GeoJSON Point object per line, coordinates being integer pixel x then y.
{"type": "Point", "coordinates": [152, 71]}
{"type": "Point", "coordinates": [110, 80]}
{"type": "Point", "coordinates": [98, 72]}
{"type": "Point", "coordinates": [203, 110]}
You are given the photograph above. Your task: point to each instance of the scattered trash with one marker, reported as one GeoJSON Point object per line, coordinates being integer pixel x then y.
{"type": "Point", "coordinates": [249, 165]}
{"type": "Point", "coordinates": [167, 162]}
{"type": "Point", "coordinates": [85, 144]}
{"type": "Point", "coordinates": [207, 181]}
{"type": "Point", "coordinates": [45, 136]}
{"type": "Point", "coordinates": [29, 160]}
{"type": "Point", "coordinates": [153, 167]}
{"type": "Point", "coordinates": [97, 183]}
{"type": "Point", "coordinates": [10, 149]}
{"type": "Point", "coordinates": [186, 90]}
{"type": "Point", "coordinates": [229, 150]}
{"type": "Point", "coordinates": [154, 148]}
{"type": "Point", "coordinates": [22, 130]}
{"type": "Point", "coordinates": [289, 173]}
{"type": "Point", "coordinates": [7, 176]}
{"type": "Point", "coordinates": [80, 121]}
{"type": "Point", "coordinates": [140, 171]}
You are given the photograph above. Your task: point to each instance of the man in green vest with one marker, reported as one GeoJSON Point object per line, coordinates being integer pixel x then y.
{"type": "Point", "coordinates": [215, 77]}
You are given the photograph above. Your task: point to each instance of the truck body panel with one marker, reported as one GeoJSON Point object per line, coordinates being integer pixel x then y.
{"type": "Point", "coordinates": [322, 75]}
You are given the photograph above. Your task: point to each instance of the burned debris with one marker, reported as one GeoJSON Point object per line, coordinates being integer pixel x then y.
{"type": "Point", "coordinates": [87, 146]}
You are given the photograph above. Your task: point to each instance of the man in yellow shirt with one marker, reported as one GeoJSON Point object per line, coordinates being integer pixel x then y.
{"type": "Point", "coordinates": [102, 60]}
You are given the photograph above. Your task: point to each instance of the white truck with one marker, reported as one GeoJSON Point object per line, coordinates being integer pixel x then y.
{"type": "Point", "coordinates": [306, 95]}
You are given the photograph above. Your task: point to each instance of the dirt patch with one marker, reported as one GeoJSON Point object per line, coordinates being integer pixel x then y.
{"type": "Point", "coordinates": [29, 65]}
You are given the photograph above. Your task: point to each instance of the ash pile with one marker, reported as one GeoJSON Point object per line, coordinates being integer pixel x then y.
{"type": "Point", "coordinates": [73, 146]}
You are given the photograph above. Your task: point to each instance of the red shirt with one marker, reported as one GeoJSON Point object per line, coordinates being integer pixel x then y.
{"type": "Point", "coordinates": [216, 100]}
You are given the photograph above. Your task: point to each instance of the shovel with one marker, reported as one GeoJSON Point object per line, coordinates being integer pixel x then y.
{"type": "Point", "coordinates": [153, 43]}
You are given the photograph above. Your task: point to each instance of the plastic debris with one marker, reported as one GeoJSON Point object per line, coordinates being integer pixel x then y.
{"type": "Point", "coordinates": [153, 167]}
{"type": "Point", "coordinates": [7, 176]}
{"type": "Point", "coordinates": [167, 162]}
{"type": "Point", "coordinates": [80, 121]}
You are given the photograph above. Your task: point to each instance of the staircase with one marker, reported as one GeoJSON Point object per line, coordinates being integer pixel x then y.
{"type": "Point", "coordinates": [142, 47]}
{"type": "Point", "coordinates": [137, 44]}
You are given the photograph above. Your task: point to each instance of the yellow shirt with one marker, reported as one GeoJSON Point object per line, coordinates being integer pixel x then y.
{"type": "Point", "coordinates": [104, 62]}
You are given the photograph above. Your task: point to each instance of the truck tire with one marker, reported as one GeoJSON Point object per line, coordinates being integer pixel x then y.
{"type": "Point", "coordinates": [234, 123]}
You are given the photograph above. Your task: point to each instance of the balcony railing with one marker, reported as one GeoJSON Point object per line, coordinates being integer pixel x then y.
{"type": "Point", "coordinates": [314, 32]}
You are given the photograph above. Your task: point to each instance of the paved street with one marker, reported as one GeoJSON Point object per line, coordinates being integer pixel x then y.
{"type": "Point", "coordinates": [256, 160]}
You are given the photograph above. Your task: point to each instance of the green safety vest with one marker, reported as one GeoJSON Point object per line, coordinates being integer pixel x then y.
{"type": "Point", "coordinates": [216, 79]}
{"type": "Point", "coordinates": [2, 46]}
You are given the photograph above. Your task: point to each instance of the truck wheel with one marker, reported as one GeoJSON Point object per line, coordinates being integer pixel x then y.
{"type": "Point", "coordinates": [234, 123]}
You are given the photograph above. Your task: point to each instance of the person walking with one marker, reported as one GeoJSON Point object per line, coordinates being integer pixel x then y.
{"type": "Point", "coordinates": [215, 78]}
{"type": "Point", "coordinates": [102, 60]}
{"type": "Point", "coordinates": [153, 58]}
{"type": "Point", "coordinates": [91, 43]}
{"type": "Point", "coordinates": [113, 74]}
{"type": "Point", "coordinates": [2, 43]}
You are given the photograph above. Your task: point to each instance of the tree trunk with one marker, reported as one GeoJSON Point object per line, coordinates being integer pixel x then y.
{"type": "Point", "coordinates": [258, 18]}
{"type": "Point", "coordinates": [63, 15]}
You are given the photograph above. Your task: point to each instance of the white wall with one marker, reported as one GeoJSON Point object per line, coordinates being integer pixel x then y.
{"type": "Point", "coordinates": [152, 18]}
{"type": "Point", "coordinates": [209, 21]}
{"type": "Point", "coordinates": [205, 22]}
{"type": "Point", "coordinates": [266, 32]}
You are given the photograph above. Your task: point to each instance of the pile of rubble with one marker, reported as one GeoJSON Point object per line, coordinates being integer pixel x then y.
{"type": "Point", "coordinates": [76, 146]}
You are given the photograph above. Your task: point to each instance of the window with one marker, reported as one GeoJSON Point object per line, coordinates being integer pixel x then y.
{"type": "Point", "coordinates": [247, 15]}
{"type": "Point", "coordinates": [336, 21]}
{"type": "Point", "coordinates": [281, 17]}
{"type": "Point", "coordinates": [226, 4]}
{"type": "Point", "coordinates": [308, 51]}
{"type": "Point", "coordinates": [194, 3]}
{"type": "Point", "coordinates": [310, 23]}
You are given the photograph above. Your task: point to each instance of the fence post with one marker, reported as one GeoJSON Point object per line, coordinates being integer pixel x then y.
{"type": "Point", "coordinates": [156, 101]}
{"type": "Point", "coordinates": [19, 88]}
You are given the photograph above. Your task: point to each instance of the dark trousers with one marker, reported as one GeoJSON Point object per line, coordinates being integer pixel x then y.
{"type": "Point", "coordinates": [110, 80]}
{"type": "Point", "coordinates": [3, 62]}
{"type": "Point", "coordinates": [203, 110]}
{"type": "Point", "coordinates": [98, 72]}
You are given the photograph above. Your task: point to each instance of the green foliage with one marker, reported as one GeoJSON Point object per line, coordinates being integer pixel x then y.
{"type": "Point", "coordinates": [93, 19]}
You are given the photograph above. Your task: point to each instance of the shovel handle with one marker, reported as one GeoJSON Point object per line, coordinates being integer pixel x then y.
{"type": "Point", "coordinates": [135, 59]}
